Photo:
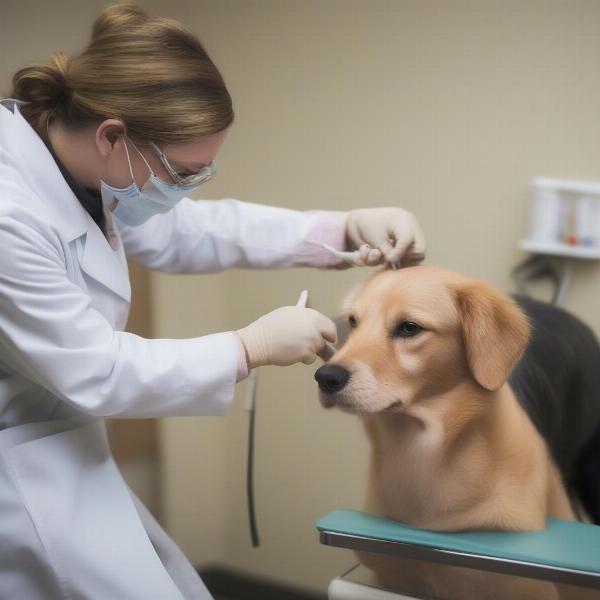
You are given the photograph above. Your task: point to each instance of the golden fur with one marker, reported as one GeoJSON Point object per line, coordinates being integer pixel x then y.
{"type": "Point", "coordinates": [452, 449]}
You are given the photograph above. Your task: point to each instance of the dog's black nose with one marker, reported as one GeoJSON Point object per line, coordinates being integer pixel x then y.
{"type": "Point", "coordinates": [332, 378]}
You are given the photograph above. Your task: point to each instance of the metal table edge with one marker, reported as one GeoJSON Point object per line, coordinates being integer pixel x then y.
{"type": "Point", "coordinates": [588, 579]}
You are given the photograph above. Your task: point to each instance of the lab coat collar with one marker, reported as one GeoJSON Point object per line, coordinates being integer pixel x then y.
{"type": "Point", "coordinates": [38, 169]}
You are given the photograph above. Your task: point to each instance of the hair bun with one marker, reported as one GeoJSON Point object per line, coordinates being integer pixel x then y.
{"type": "Point", "coordinates": [44, 85]}
{"type": "Point", "coordinates": [149, 72]}
{"type": "Point", "coordinates": [59, 61]}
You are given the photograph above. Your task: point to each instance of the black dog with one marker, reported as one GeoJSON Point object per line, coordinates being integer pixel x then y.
{"type": "Point", "coordinates": [557, 382]}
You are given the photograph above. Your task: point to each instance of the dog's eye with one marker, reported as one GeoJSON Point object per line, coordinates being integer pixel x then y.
{"type": "Point", "coordinates": [407, 329]}
{"type": "Point", "coordinates": [352, 321]}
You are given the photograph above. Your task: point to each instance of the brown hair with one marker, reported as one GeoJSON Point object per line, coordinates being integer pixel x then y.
{"type": "Point", "coordinates": [148, 71]}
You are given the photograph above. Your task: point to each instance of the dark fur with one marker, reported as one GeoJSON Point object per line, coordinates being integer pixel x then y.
{"type": "Point", "coordinates": [558, 384]}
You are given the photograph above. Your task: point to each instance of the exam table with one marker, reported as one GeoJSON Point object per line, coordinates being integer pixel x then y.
{"type": "Point", "coordinates": [565, 552]}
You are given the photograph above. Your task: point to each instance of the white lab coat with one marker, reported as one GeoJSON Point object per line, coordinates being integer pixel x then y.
{"type": "Point", "coordinates": [70, 528]}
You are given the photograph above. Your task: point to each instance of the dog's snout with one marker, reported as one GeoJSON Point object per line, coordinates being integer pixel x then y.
{"type": "Point", "coordinates": [332, 378]}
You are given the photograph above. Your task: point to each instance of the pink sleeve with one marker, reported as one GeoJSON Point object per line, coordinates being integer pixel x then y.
{"type": "Point", "coordinates": [242, 365]}
{"type": "Point", "coordinates": [327, 227]}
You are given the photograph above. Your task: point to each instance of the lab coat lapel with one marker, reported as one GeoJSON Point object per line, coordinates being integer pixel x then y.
{"type": "Point", "coordinates": [104, 264]}
{"type": "Point", "coordinates": [60, 206]}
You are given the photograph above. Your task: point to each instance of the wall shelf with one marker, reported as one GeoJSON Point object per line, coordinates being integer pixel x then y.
{"type": "Point", "coordinates": [558, 249]}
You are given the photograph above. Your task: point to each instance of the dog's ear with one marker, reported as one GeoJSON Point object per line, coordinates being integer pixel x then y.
{"type": "Point", "coordinates": [495, 332]}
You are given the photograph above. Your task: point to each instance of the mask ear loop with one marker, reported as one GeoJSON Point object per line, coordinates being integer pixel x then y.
{"type": "Point", "coordinates": [129, 160]}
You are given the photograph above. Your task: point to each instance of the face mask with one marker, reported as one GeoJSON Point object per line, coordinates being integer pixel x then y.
{"type": "Point", "coordinates": [135, 206]}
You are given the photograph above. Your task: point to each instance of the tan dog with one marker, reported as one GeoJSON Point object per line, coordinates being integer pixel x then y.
{"type": "Point", "coordinates": [426, 365]}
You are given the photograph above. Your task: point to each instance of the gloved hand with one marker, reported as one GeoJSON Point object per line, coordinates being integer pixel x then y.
{"type": "Point", "coordinates": [384, 235]}
{"type": "Point", "coordinates": [288, 335]}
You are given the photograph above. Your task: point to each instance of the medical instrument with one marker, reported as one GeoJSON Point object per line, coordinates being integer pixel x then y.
{"type": "Point", "coordinates": [250, 405]}
{"type": "Point", "coordinates": [351, 256]}
{"type": "Point", "coordinates": [303, 300]}
{"type": "Point", "coordinates": [328, 350]}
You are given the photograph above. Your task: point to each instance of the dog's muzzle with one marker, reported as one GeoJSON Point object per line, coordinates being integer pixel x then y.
{"type": "Point", "coordinates": [331, 379]}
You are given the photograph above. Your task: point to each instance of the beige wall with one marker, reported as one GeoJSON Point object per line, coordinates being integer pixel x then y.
{"type": "Point", "coordinates": [447, 108]}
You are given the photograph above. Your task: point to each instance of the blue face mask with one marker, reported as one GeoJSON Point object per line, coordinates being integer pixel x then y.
{"type": "Point", "coordinates": [135, 206]}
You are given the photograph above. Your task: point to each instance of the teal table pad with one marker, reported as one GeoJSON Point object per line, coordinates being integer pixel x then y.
{"type": "Point", "coordinates": [562, 546]}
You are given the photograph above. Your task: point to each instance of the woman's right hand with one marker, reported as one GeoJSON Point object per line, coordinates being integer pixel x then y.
{"type": "Point", "coordinates": [288, 335]}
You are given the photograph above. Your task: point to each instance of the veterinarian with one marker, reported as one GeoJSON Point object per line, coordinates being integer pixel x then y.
{"type": "Point", "coordinates": [98, 154]}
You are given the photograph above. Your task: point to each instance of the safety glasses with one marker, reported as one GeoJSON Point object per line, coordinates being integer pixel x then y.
{"type": "Point", "coordinates": [189, 181]}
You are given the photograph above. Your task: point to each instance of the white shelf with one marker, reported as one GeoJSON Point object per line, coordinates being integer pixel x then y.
{"type": "Point", "coordinates": [568, 185]}
{"type": "Point", "coordinates": [558, 249]}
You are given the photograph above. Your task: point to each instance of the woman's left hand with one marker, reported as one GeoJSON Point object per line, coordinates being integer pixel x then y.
{"type": "Point", "coordinates": [385, 235]}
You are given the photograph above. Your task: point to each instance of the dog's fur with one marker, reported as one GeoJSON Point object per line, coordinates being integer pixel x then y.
{"type": "Point", "coordinates": [454, 445]}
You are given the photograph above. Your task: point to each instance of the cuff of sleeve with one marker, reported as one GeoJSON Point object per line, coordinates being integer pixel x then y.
{"type": "Point", "coordinates": [242, 363]}
{"type": "Point", "coordinates": [201, 377]}
{"type": "Point", "coordinates": [217, 399]}
{"type": "Point", "coordinates": [326, 227]}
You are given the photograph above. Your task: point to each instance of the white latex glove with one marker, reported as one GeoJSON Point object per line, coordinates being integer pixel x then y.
{"type": "Point", "coordinates": [385, 235]}
{"type": "Point", "coordinates": [288, 335]}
